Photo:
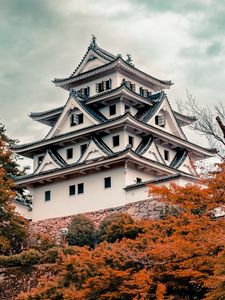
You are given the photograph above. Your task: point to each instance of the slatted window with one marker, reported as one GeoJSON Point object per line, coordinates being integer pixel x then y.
{"type": "Point", "coordinates": [104, 86]}
{"type": "Point", "coordinates": [127, 108]}
{"type": "Point", "coordinates": [40, 159]}
{"type": "Point", "coordinates": [138, 180]}
{"type": "Point", "coordinates": [160, 121]}
{"type": "Point", "coordinates": [85, 91]}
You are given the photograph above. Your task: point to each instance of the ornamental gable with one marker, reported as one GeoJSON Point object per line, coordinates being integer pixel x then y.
{"type": "Point", "coordinates": [75, 115]}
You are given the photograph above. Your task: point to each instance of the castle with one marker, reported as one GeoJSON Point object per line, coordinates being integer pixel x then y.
{"type": "Point", "coordinates": [115, 134]}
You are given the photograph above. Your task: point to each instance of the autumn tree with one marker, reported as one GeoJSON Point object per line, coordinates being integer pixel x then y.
{"type": "Point", "coordinates": [13, 230]}
{"type": "Point", "coordinates": [174, 257]}
{"type": "Point", "coordinates": [210, 122]}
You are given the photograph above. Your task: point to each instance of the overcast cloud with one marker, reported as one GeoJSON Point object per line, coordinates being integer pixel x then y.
{"type": "Point", "coordinates": [176, 40]}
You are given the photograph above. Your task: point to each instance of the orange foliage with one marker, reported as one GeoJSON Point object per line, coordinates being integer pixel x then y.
{"type": "Point", "coordinates": [180, 256]}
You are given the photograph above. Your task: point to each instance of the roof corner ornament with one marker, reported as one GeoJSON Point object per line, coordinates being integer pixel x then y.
{"type": "Point", "coordinates": [119, 55]}
{"type": "Point", "coordinates": [129, 60]}
{"type": "Point", "coordinates": [93, 43]}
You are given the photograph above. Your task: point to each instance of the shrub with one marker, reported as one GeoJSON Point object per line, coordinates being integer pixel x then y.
{"type": "Point", "coordinates": [117, 226]}
{"type": "Point", "coordinates": [41, 242]}
{"type": "Point", "coordinates": [25, 258]}
{"type": "Point", "coordinates": [81, 232]}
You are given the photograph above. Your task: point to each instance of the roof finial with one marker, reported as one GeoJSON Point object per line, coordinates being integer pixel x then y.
{"type": "Point", "coordinates": [93, 43]}
{"type": "Point", "coordinates": [129, 59]}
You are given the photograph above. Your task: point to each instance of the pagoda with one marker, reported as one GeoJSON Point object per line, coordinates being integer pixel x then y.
{"type": "Point", "coordinates": [115, 134]}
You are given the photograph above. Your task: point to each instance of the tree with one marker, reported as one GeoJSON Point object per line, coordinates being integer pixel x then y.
{"type": "Point", "coordinates": [117, 226]}
{"type": "Point", "coordinates": [13, 231]}
{"type": "Point", "coordinates": [210, 121]}
{"type": "Point", "coordinates": [81, 232]}
{"type": "Point", "coordinates": [173, 258]}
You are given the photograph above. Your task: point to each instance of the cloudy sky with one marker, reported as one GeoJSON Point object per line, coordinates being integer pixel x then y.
{"type": "Point", "coordinates": [182, 41]}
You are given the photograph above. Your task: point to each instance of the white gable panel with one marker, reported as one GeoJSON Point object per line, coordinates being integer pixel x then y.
{"type": "Point", "coordinates": [47, 164]}
{"type": "Point", "coordinates": [171, 125]}
{"type": "Point", "coordinates": [153, 154]}
{"type": "Point", "coordinates": [187, 167]}
{"type": "Point", "coordinates": [63, 123]}
{"type": "Point", "coordinates": [92, 152]}
{"type": "Point", "coordinates": [91, 61]}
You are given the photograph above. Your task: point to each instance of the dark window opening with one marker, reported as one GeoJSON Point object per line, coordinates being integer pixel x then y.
{"type": "Point", "coordinates": [160, 120]}
{"type": "Point", "coordinates": [131, 140]}
{"type": "Point", "coordinates": [73, 120]}
{"type": "Point", "coordinates": [127, 108]}
{"type": "Point", "coordinates": [108, 84]}
{"type": "Point", "coordinates": [83, 148]}
{"type": "Point", "coordinates": [112, 109]}
{"type": "Point", "coordinates": [107, 182]}
{"type": "Point", "coordinates": [144, 92]}
{"type": "Point", "coordinates": [40, 159]}
{"type": "Point", "coordinates": [80, 119]}
{"type": "Point", "coordinates": [47, 195]}
{"type": "Point", "coordinates": [72, 190]}
{"type": "Point", "coordinates": [80, 188]}
{"type": "Point", "coordinates": [69, 153]}
{"type": "Point", "coordinates": [138, 180]}
{"type": "Point", "coordinates": [116, 140]}
{"type": "Point", "coordinates": [166, 155]}
{"type": "Point", "coordinates": [103, 86]}
{"type": "Point", "coordinates": [85, 91]}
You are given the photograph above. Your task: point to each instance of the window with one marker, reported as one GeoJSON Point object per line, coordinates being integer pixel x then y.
{"type": "Point", "coordinates": [166, 155]}
{"type": "Point", "coordinates": [144, 92]}
{"type": "Point", "coordinates": [131, 140]}
{"type": "Point", "coordinates": [80, 188]}
{"type": "Point", "coordinates": [112, 109]}
{"type": "Point", "coordinates": [80, 119]}
{"type": "Point", "coordinates": [69, 153]}
{"type": "Point", "coordinates": [72, 190]}
{"type": "Point", "coordinates": [160, 120]}
{"type": "Point", "coordinates": [103, 86]}
{"type": "Point", "coordinates": [47, 195]}
{"type": "Point", "coordinates": [116, 140]}
{"type": "Point", "coordinates": [40, 159]}
{"type": "Point", "coordinates": [107, 182]}
{"type": "Point", "coordinates": [127, 108]}
{"type": "Point", "coordinates": [85, 91]}
{"type": "Point", "coordinates": [76, 119]}
{"type": "Point", "coordinates": [83, 148]}
{"type": "Point", "coordinates": [138, 180]}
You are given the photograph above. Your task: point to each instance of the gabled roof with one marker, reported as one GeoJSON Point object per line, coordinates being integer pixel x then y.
{"type": "Point", "coordinates": [111, 61]}
{"type": "Point", "coordinates": [74, 101]}
{"type": "Point", "coordinates": [127, 118]}
{"type": "Point", "coordinates": [179, 158]}
{"type": "Point", "coordinates": [54, 159]}
{"type": "Point", "coordinates": [96, 145]}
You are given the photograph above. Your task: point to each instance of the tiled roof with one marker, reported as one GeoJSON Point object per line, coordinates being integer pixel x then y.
{"type": "Point", "coordinates": [149, 113]}
{"type": "Point", "coordinates": [160, 179]}
{"type": "Point", "coordinates": [144, 144]}
{"type": "Point", "coordinates": [179, 158]}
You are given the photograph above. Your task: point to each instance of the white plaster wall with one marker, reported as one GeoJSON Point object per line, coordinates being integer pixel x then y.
{"type": "Point", "coordinates": [65, 126]}
{"type": "Point", "coordinates": [108, 140]}
{"type": "Point", "coordinates": [92, 83]}
{"type": "Point", "coordinates": [119, 110]}
{"type": "Point", "coordinates": [172, 153]}
{"type": "Point", "coordinates": [136, 140]}
{"type": "Point", "coordinates": [95, 196]}
{"type": "Point", "coordinates": [92, 64]}
{"type": "Point", "coordinates": [132, 173]}
{"type": "Point", "coordinates": [138, 84]}
{"type": "Point", "coordinates": [35, 160]}
{"type": "Point", "coordinates": [76, 152]}
{"type": "Point", "coordinates": [23, 211]}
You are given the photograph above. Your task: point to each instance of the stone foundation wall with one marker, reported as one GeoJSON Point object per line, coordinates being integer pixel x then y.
{"type": "Point", "coordinates": [147, 209]}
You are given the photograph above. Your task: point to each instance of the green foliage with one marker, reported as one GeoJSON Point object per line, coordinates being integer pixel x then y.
{"type": "Point", "coordinates": [117, 226]}
{"type": "Point", "coordinates": [25, 258]}
{"type": "Point", "coordinates": [81, 232]}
